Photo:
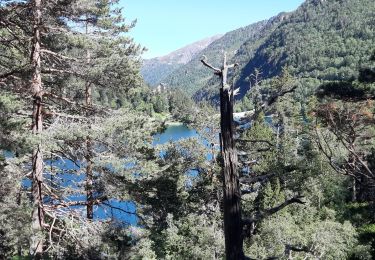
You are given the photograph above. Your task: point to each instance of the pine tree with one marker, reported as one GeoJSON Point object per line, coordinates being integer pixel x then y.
{"type": "Point", "coordinates": [110, 65]}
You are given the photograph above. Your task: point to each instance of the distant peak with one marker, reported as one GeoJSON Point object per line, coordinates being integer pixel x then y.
{"type": "Point", "coordinates": [185, 54]}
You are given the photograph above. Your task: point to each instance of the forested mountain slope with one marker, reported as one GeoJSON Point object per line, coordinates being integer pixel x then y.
{"type": "Point", "coordinates": [193, 75]}
{"type": "Point", "coordinates": [327, 40]}
{"type": "Point", "coordinates": [323, 39]}
{"type": "Point", "coordinates": [156, 69]}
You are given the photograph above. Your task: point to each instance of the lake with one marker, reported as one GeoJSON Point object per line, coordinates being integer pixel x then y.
{"type": "Point", "coordinates": [115, 209]}
{"type": "Point", "coordinates": [173, 133]}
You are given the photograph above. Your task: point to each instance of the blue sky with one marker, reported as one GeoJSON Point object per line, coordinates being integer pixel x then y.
{"type": "Point", "coordinates": [166, 25]}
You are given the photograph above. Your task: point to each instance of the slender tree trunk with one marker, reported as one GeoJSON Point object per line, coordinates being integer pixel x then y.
{"type": "Point", "coordinates": [89, 179]}
{"type": "Point", "coordinates": [89, 166]}
{"type": "Point", "coordinates": [36, 247]}
{"type": "Point", "coordinates": [354, 190]}
{"type": "Point", "coordinates": [19, 242]}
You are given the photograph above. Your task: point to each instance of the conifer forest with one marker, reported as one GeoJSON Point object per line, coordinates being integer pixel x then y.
{"type": "Point", "coordinates": [259, 144]}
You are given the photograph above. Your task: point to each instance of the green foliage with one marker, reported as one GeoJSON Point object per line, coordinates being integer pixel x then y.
{"type": "Point", "coordinates": [272, 195]}
{"type": "Point", "coordinates": [143, 250]}
{"type": "Point", "coordinates": [12, 133]}
{"type": "Point", "coordinates": [343, 39]}
{"type": "Point", "coordinates": [181, 106]}
{"type": "Point", "coordinates": [154, 71]}
{"type": "Point", "coordinates": [180, 194]}
{"type": "Point", "coordinates": [194, 237]}
{"type": "Point", "coordinates": [160, 103]}
{"type": "Point", "coordinates": [285, 146]}
{"type": "Point", "coordinates": [321, 238]}
{"type": "Point", "coordinates": [15, 211]}
{"type": "Point", "coordinates": [245, 104]}
{"type": "Point", "coordinates": [368, 229]}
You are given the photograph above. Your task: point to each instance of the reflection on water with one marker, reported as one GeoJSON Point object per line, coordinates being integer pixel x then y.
{"type": "Point", "coordinates": [174, 133]}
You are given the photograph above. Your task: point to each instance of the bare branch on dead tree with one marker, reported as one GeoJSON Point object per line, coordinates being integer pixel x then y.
{"type": "Point", "coordinates": [217, 71]}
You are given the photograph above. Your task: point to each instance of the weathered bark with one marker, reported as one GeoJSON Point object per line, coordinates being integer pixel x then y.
{"type": "Point", "coordinates": [88, 94]}
{"type": "Point", "coordinates": [89, 179]}
{"type": "Point", "coordinates": [19, 242]}
{"type": "Point", "coordinates": [89, 166]}
{"type": "Point", "coordinates": [233, 228]}
{"type": "Point", "coordinates": [36, 247]}
{"type": "Point", "coordinates": [232, 192]}
{"type": "Point", "coordinates": [354, 190]}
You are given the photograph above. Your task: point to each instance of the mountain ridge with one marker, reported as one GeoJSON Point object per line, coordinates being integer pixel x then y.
{"type": "Point", "coordinates": [321, 40]}
{"type": "Point", "coordinates": [155, 69]}
{"type": "Point", "coordinates": [230, 42]}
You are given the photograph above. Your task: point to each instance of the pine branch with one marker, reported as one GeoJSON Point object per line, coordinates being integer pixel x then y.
{"type": "Point", "coordinates": [289, 248]}
{"type": "Point", "coordinates": [67, 100]}
{"type": "Point", "coordinates": [255, 141]}
{"type": "Point", "coordinates": [252, 180]}
{"type": "Point", "coordinates": [64, 204]}
{"type": "Point", "coordinates": [12, 72]}
{"type": "Point", "coordinates": [274, 98]}
{"type": "Point", "coordinates": [125, 211]}
{"type": "Point", "coordinates": [57, 71]}
{"type": "Point", "coordinates": [58, 55]}
{"type": "Point", "coordinates": [268, 212]}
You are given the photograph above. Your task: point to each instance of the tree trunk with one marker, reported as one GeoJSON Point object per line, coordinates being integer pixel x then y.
{"type": "Point", "coordinates": [36, 247]}
{"type": "Point", "coordinates": [89, 179]}
{"type": "Point", "coordinates": [89, 166]}
{"type": "Point", "coordinates": [232, 193]}
{"type": "Point", "coordinates": [19, 241]}
{"type": "Point", "coordinates": [233, 228]}
{"type": "Point", "coordinates": [354, 190]}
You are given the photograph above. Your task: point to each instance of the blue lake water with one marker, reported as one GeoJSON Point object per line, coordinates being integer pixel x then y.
{"type": "Point", "coordinates": [174, 133]}
{"type": "Point", "coordinates": [112, 209]}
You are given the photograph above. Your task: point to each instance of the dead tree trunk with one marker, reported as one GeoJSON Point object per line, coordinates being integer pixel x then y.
{"type": "Point", "coordinates": [233, 230]}
{"type": "Point", "coordinates": [36, 247]}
